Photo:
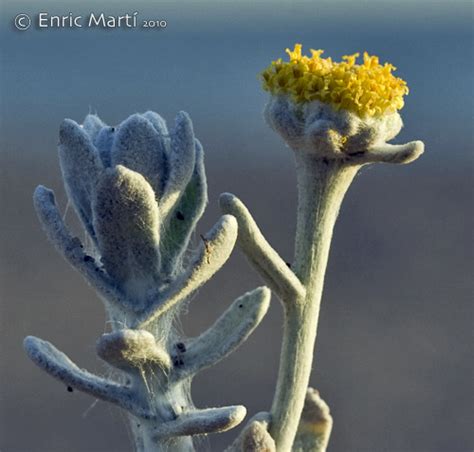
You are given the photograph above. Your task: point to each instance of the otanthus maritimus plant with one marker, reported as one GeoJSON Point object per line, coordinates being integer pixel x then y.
{"type": "Point", "coordinates": [139, 191]}
{"type": "Point", "coordinates": [336, 117]}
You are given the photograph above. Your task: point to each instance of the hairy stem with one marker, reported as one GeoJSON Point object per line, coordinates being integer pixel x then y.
{"type": "Point", "coordinates": [321, 187]}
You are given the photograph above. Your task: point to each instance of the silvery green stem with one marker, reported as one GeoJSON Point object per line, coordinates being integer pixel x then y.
{"type": "Point", "coordinates": [322, 184]}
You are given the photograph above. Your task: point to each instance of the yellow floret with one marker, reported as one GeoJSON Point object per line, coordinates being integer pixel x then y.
{"type": "Point", "coordinates": [367, 89]}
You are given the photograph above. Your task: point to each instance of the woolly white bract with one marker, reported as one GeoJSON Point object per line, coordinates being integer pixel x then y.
{"type": "Point", "coordinates": [319, 129]}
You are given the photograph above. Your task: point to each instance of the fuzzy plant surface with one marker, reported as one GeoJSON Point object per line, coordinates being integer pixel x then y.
{"type": "Point", "coordinates": [139, 189]}
{"type": "Point", "coordinates": [336, 117]}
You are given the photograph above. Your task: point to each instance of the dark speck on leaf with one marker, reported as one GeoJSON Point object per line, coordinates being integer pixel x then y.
{"type": "Point", "coordinates": [241, 305]}
{"type": "Point", "coordinates": [112, 129]}
{"type": "Point", "coordinates": [179, 216]}
{"type": "Point", "coordinates": [288, 264]}
{"type": "Point", "coordinates": [69, 389]}
{"type": "Point", "coordinates": [181, 347]}
{"type": "Point", "coordinates": [88, 259]}
{"type": "Point", "coordinates": [178, 362]}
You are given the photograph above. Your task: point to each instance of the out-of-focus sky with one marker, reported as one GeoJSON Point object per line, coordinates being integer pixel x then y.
{"type": "Point", "coordinates": [394, 354]}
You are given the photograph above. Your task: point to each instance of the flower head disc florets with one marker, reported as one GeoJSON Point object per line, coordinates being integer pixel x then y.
{"type": "Point", "coordinates": [367, 89]}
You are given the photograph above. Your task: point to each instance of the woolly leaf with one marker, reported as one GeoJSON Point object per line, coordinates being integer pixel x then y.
{"type": "Point", "coordinates": [184, 217]}
{"type": "Point", "coordinates": [158, 122]}
{"type": "Point", "coordinates": [181, 161]}
{"type": "Point", "coordinates": [59, 366]}
{"type": "Point", "coordinates": [93, 125]}
{"type": "Point", "coordinates": [103, 142]}
{"type": "Point", "coordinates": [213, 253]}
{"type": "Point", "coordinates": [199, 422]}
{"type": "Point", "coordinates": [272, 268]}
{"type": "Point", "coordinates": [139, 147]}
{"type": "Point", "coordinates": [126, 220]}
{"type": "Point", "coordinates": [228, 333]}
{"type": "Point", "coordinates": [72, 249]}
{"type": "Point", "coordinates": [80, 166]}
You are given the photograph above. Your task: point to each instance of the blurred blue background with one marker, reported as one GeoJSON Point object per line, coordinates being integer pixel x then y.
{"type": "Point", "coordinates": [394, 356]}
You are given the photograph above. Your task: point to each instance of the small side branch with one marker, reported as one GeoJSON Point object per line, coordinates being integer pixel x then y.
{"type": "Point", "coordinates": [227, 334]}
{"type": "Point", "coordinates": [59, 366]}
{"type": "Point", "coordinates": [72, 249]}
{"type": "Point", "coordinates": [199, 422]}
{"type": "Point", "coordinates": [271, 267]}
{"type": "Point", "coordinates": [213, 253]}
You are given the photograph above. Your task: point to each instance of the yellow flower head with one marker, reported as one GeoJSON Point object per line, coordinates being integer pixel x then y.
{"type": "Point", "coordinates": [367, 89]}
